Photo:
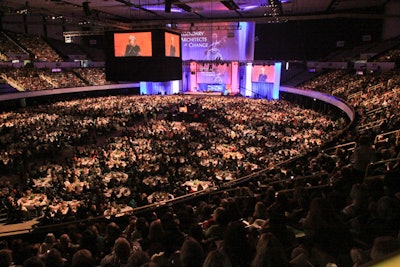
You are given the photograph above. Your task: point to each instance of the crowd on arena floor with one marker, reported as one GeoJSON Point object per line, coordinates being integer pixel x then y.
{"type": "Point", "coordinates": [156, 237]}
{"type": "Point", "coordinates": [160, 154]}
{"type": "Point", "coordinates": [151, 160]}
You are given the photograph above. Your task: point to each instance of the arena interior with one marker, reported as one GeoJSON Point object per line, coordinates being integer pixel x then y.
{"type": "Point", "coordinates": [279, 145]}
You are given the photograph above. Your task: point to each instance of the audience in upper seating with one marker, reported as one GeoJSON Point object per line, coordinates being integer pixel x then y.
{"type": "Point", "coordinates": [94, 76]}
{"type": "Point", "coordinates": [37, 46]}
{"type": "Point", "coordinates": [29, 79]}
{"type": "Point", "coordinates": [393, 55]}
{"type": "Point", "coordinates": [9, 47]}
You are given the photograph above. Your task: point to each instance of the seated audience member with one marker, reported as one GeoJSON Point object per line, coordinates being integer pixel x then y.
{"type": "Point", "coordinates": [89, 242]}
{"type": "Point", "coordinates": [383, 246]}
{"type": "Point", "coordinates": [384, 219]}
{"type": "Point", "coordinates": [269, 252]}
{"type": "Point", "coordinates": [191, 253]}
{"type": "Point", "coordinates": [216, 258]}
{"type": "Point", "coordinates": [325, 229]}
{"type": "Point", "coordinates": [307, 256]}
{"type": "Point", "coordinates": [356, 213]}
{"type": "Point", "coordinates": [5, 258]}
{"type": "Point", "coordinates": [53, 258]}
{"type": "Point", "coordinates": [156, 237]}
{"type": "Point", "coordinates": [66, 248]}
{"type": "Point", "coordinates": [33, 261]}
{"type": "Point", "coordinates": [82, 258]}
{"type": "Point", "coordinates": [120, 254]}
{"type": "Point", "coordinates": [236, 245]}
{"type": "Point", "coordinates": [216, 231]}
{"type": "Point", "coordinates": [20, 251]}
{"type": "Point", "coordinates": [138, 258]}
{"type": "Point", "coordinates": [112, 233]}
{"type": "Point", "coordinates": [174, 237]}
{"type": "Point", "coordinates": [260, 212]}
{"type": "Point", "coordinates": [50, 241]}
{"type": "Point", "coordinates": [276, 225]}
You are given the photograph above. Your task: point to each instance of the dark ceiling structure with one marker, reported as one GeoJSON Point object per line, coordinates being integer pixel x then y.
{"type": "Point", "coordinates": [129, 14]}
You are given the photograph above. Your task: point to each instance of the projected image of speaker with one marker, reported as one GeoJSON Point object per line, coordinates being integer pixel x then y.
{"type": "Point", "coordinates": [133, 44]}
{"type": "Point", "coordinates": [172, 44]}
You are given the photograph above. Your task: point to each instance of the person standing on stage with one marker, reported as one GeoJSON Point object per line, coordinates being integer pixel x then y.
{"type": "Point", "coordinates": [262, 77]}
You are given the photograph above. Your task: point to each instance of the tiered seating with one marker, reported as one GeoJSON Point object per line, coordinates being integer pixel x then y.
{"type": "Point", "coordinates": [37, 46]}
{"type": "Point", "coordinates": [392, 55]}
{"type": "Point", "coordinates": [101, 168]}
{"type": "Point", "coordinates": [28, 79]}
{"type": "Point", "coordinates": [94, 76]}
{"type": "Point", "coordinates": [8, 46]}
{"type": "Point", "coordinates": [321, 82]}
{"type": "Point", "coordinates": [63, 79]}
{"type": "Point", "coordinates": [67, 49]}
{"type": "Point", "coordinates": [6, 88]}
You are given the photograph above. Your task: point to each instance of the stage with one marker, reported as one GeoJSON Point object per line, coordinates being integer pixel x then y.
{"type": "Point", "coordinates": [204, 93]}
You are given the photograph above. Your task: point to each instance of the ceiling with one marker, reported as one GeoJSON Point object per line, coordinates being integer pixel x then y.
{"type": "Point", "coordinates": [128, 14]}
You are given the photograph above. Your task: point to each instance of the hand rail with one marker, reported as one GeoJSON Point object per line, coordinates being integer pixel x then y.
{"type": "Point", "coordinates": [378, 163]}
{"type": "Point", "coordinates": [379, 136]}
{"type": "Point", "coordinates": [306, 188]}
{"type": "Point", "coordinates": [319, 174]}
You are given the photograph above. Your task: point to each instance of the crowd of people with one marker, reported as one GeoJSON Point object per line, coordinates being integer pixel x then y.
{"type": "Point", "coordinates": [105, 157]}
{"type": "Point", "coordinates": [124, 152]}
{"type": "Point", "coordinates": [22, 46]}
{"type": "Point", "coordinates": [8, 46]}
{"type": "Point", "coordinates": [374, 95]}
{"type": "Point", "coordinates": [392, 55]}
{"type": "Point", "coordinates": [94, 76]}
{"type": "Point", "coordinates": [31, 79]}
{"type": "Point", "coordinates": [152, 154]}
{"type": "Point", "coordinates": [158, 156]}
{"type": "Point", "coordinates": [37, 46]}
